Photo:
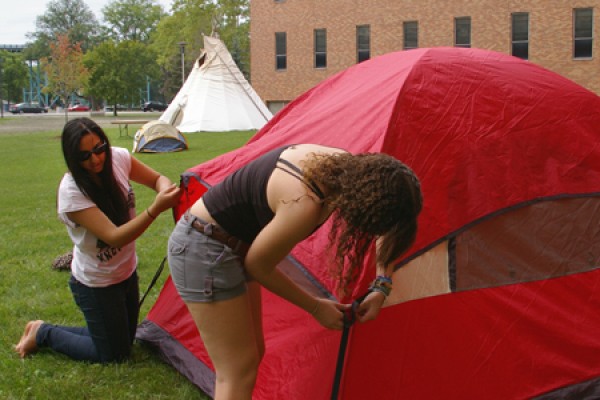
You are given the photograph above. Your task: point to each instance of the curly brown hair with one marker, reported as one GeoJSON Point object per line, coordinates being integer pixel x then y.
{"type": "Point", "coordinates": [372, 195]}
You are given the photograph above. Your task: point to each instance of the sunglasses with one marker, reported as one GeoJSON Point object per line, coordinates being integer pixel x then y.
{"type": "Point", "coordinates": [85, 155]}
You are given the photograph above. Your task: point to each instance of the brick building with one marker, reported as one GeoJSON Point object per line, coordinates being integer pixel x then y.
{"type": "Point", "coordinates": [295, 44]}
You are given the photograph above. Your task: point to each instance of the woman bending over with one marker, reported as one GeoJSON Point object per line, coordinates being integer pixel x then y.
{"type": "Point", "coordinates": [230, 241]}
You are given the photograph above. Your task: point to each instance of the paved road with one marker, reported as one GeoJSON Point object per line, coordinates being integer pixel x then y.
{"type": "Point", "coordinates": [26, 123]}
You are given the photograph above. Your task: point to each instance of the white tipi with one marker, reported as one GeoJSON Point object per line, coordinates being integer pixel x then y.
{"type": "Point", "coordinates": [216, 97]}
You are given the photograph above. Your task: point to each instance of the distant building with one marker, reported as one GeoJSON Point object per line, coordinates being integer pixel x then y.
{"type": "Point", "coordinates": [12, 48]}
{"type": "Point", "coordinates": [296, 44]}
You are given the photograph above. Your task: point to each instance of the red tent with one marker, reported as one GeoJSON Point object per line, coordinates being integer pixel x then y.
{"type": "Point", "coordinates": [498, 298]}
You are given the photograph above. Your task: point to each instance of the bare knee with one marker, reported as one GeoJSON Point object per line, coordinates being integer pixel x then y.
{"type": "Point", "coordinates": [237, 380]}
{"type": "Point", "coordinates": [239, 387]}
{"type": "Point", "coordinates": [248, 370]}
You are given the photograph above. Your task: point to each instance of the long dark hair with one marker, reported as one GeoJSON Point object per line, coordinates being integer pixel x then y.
{"type": "Point", "coordinates": [108, 195]}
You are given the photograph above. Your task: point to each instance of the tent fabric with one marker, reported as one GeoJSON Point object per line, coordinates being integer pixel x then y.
{"type": "Point", "coordinates": [158, 137]}
{"type": "Point", "coordinates": [508, 342]}
{"type": "Point", "coordinates": [499, 298]}
{"type": "Point", "coordinates": [216, 97]}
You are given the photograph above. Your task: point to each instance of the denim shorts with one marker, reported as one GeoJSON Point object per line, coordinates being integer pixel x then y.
{"type": "Point", "coordinates": [203, 269]}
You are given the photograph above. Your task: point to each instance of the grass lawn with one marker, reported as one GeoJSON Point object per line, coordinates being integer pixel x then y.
{"type": "Point", "coordinates": [31, 236]}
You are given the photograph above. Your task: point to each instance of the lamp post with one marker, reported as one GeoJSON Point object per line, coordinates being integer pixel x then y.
{"type": "Point", "coordinates": [182, 49]}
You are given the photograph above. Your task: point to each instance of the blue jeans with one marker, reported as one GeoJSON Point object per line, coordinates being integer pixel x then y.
{"type": "Point", "coordinates": [111, 314]}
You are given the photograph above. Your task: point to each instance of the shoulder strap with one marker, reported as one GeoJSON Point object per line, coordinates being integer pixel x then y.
{"type": "Point", "coordinates": [290, 165]}
{"type": "Point", "coordinates": [300, 176]}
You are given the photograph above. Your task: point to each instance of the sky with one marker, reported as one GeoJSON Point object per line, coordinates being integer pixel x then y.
{"type": "Point", "coordinates": [17, 17]}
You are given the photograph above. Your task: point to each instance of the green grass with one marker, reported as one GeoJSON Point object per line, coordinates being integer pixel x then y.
{"type": "Point", "coordinates": [31, 236]}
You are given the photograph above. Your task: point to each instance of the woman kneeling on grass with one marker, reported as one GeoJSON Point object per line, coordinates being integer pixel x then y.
{"type": "Point", "coordinates": [97, 204]}
{"type": "Point", "coordinates": [229, 242]}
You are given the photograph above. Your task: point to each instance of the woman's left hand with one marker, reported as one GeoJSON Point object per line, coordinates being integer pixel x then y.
{"type": "Point", "coordinates": [370, 306]}
{"type": "Point", "coordinates": [167, 198]}
{"type": "Point", "coordinates": [330, 314]}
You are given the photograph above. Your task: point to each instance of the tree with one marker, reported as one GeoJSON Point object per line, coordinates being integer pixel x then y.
{"type": "Point", "coordinates": [233, 22]}
{"type": "Point", "coordinates": [132, 19]}
{"type": "Point", "coordinates": [65, 69]}
{"type": "Point", "coordinates": [191, 19]}
{"type": "Point", "coordinates": [118, 71]}
{"type": "Point", "coordinates": [14, 76]}
{"type": "Point", "coordinates": [66, 17]}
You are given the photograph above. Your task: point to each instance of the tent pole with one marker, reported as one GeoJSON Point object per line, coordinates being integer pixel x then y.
{"type": "Point", "coordinates": [349, 319]}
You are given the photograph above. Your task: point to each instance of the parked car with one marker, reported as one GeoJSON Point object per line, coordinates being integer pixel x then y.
{"type": "Point", "coordinates": [120, 107]}
{"type": "Point", "coordinates": [78, 107]}
{"type": "Point", "coordinates": [21, 108]}
{"type": "Point", "coordinates": [154, 106]}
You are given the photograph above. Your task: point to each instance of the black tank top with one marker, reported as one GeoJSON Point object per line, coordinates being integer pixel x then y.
{"type": "Point", "coordinates": [239, 203]}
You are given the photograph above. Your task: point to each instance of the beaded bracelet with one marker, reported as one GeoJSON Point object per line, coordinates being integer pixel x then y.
{"type": "Point", "coordinates": [384, 279]}
{"type": "Point", "coordinates": [381, 284]}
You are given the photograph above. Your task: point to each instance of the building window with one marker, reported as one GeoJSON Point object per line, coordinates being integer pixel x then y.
{"type": "Point", "coordinates": [280, 50]}
{"type": "Point", "coordinates": [462, 32]}
{"type": "Point", "coordinates": [363, 42]}
{"type": "Point", "coordinates": [411, 35]}
{"type": "Point", "coordinates": [320, 48]}
{"type": "Point", "coordinates": [520, 35]}
{"type": "Point", "coordinates": [583, 32]}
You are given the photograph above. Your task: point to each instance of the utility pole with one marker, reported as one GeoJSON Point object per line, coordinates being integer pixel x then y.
{"type": "Point", "coordinates": [182, 49]}
{"type": "Point", "coordinates": [1, 101]}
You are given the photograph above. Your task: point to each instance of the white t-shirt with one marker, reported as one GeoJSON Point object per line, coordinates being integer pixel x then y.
{"type": "Point", "coordinates": [95, 263]}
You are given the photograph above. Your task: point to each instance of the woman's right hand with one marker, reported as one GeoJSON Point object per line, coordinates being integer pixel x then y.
{"type": "Point", "coordinates": [330, 314]}
{"type": "Point", "coordinates": [166, 199]}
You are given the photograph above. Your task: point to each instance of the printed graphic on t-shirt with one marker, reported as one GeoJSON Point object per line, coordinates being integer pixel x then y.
{"type": "Point", "coordinates": [105, 252]}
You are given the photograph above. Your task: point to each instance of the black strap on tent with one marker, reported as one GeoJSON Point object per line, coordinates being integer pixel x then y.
{"type": "Point", "coordinates": [349, 319]}
{"type": "Point", "coordinates": [156, 276]}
